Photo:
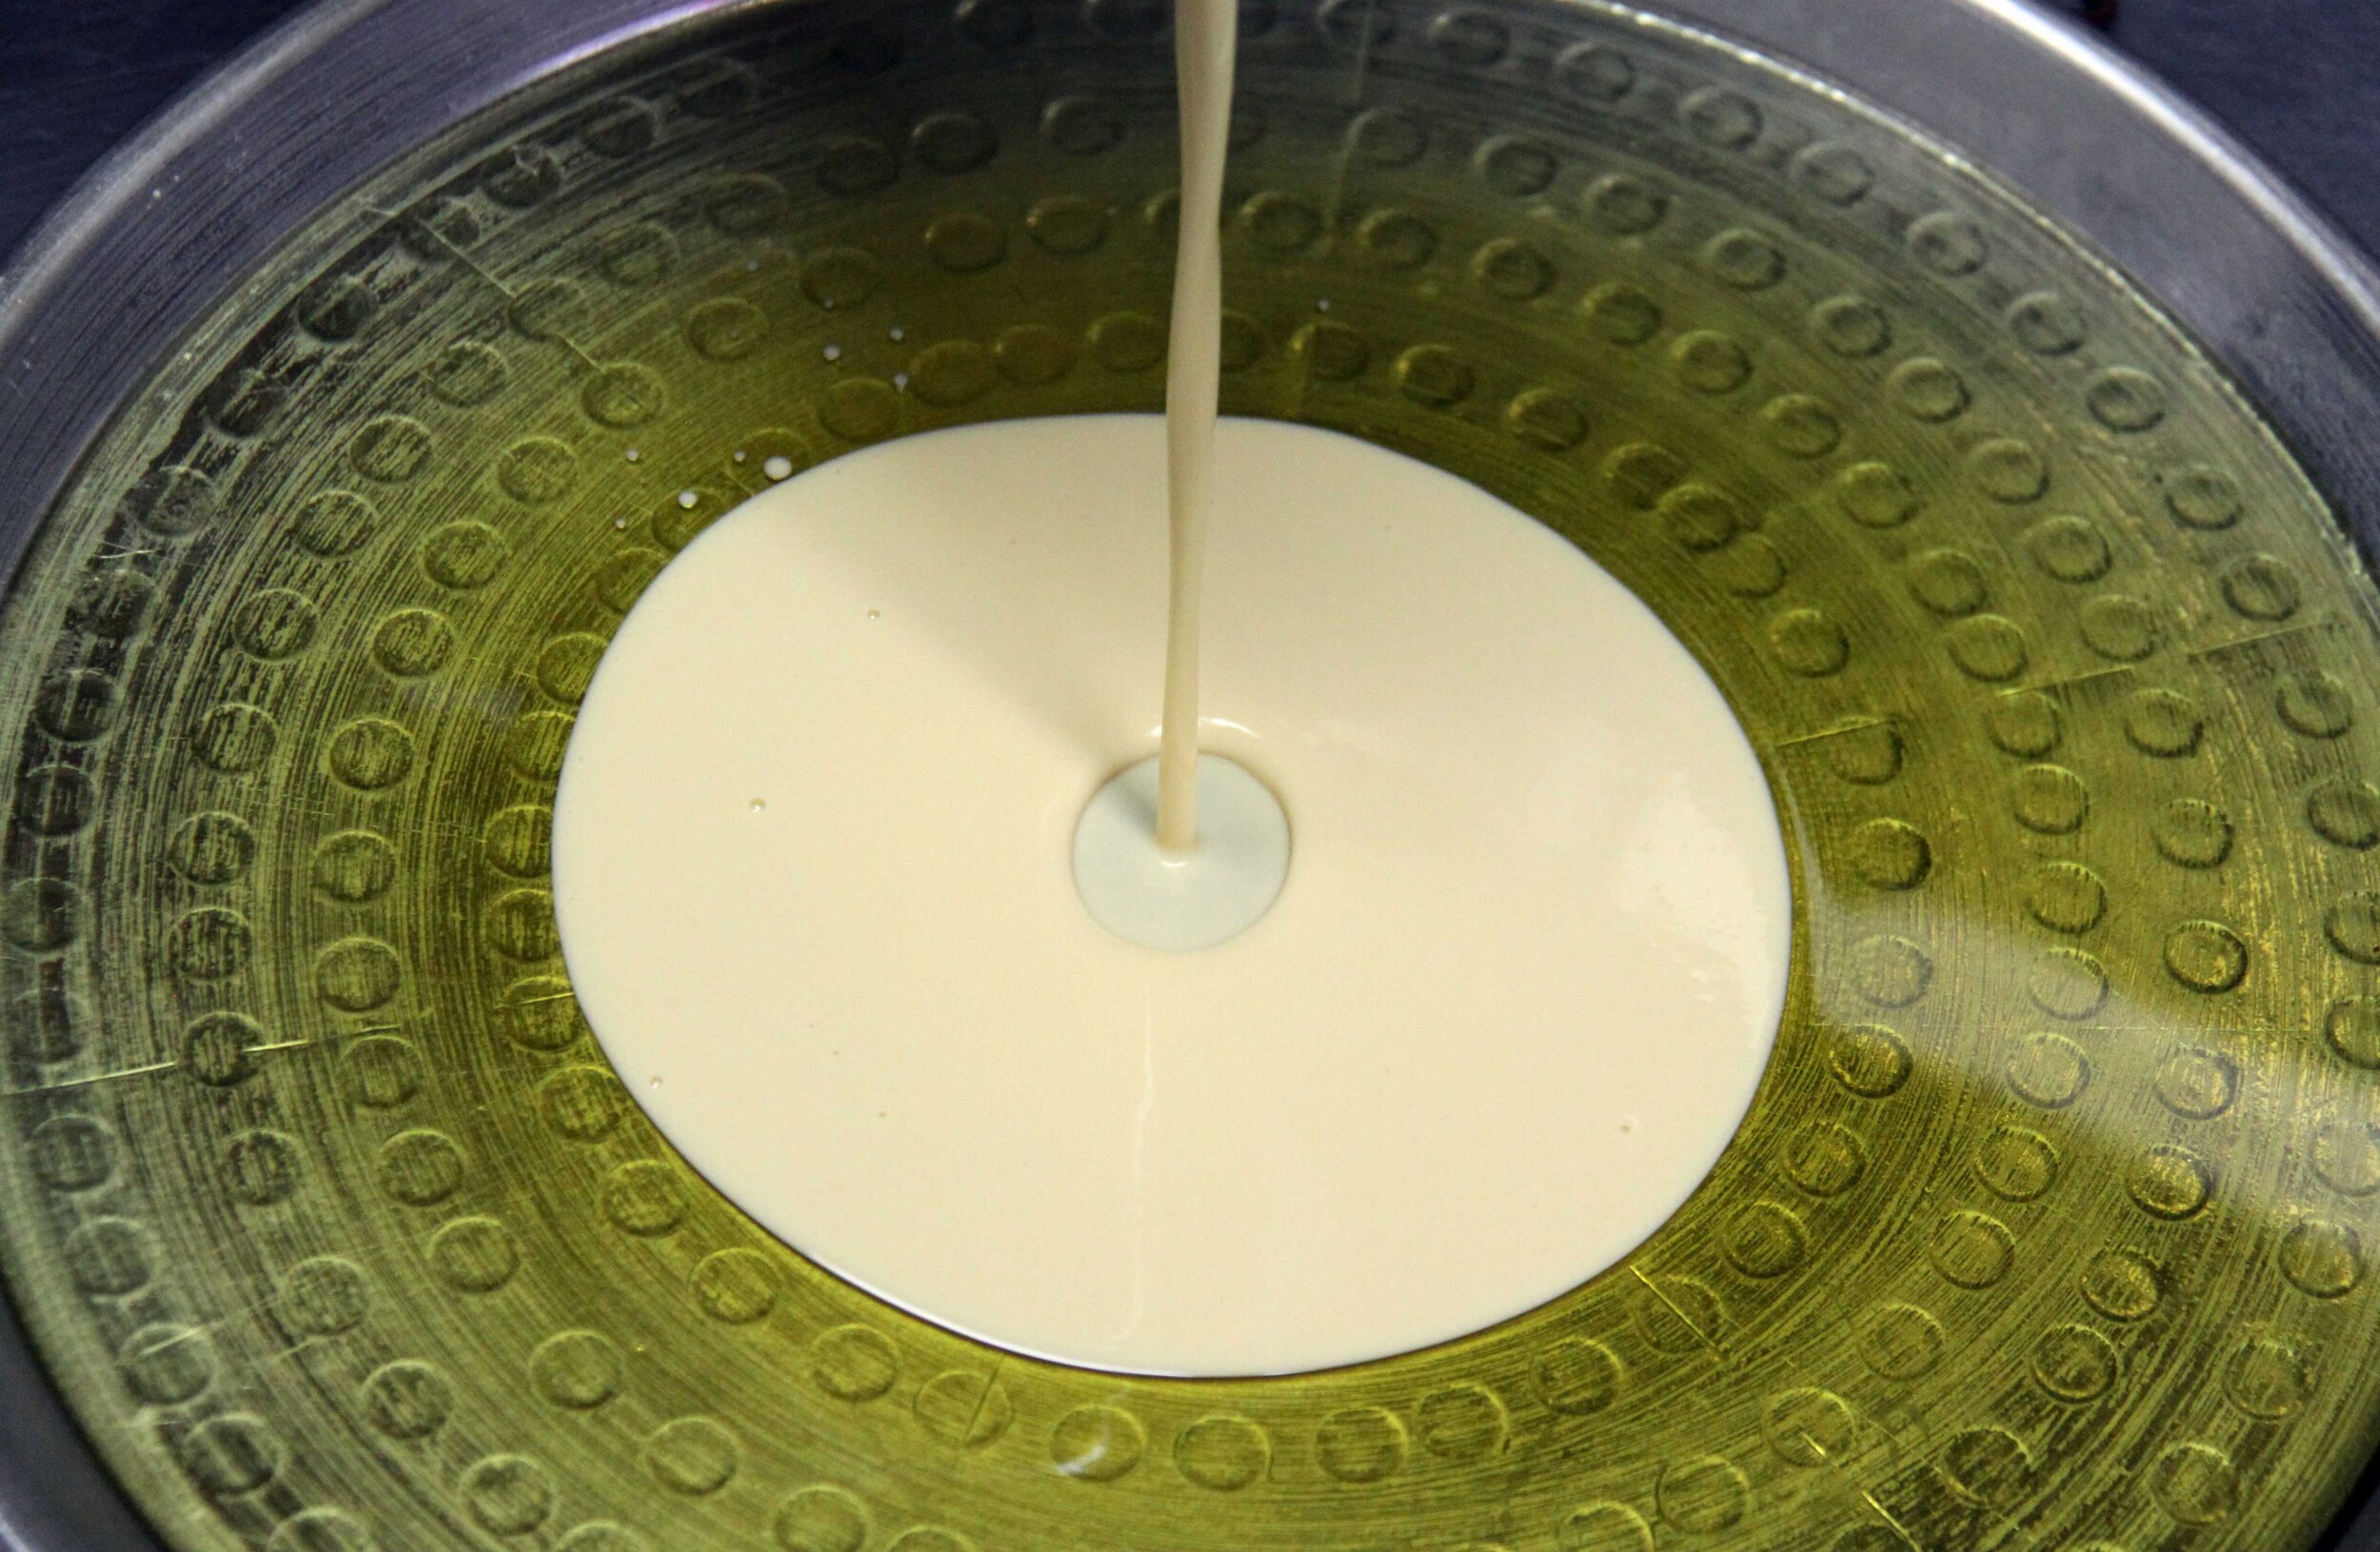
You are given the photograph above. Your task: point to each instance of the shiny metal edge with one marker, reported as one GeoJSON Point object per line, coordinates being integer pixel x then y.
{"type": "Point", "coordinates": [137, 253]}
{"type": "Point", "coordinates": [106, 287]}
{"type": "Point", "coordinates": [2189, 215]}
{"type": "Point", "coordinates": [147, 241]}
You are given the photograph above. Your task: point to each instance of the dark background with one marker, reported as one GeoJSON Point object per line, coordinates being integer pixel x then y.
{"type": "Point", "coordinates": [2298, 80]}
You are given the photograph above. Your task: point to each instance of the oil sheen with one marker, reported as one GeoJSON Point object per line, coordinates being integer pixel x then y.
{"type": "Point", "coordinates": [813, 871]}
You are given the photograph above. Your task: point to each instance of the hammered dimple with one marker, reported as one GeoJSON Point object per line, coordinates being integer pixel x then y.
{"type": "Point", "coordinates": [2052, 1210]}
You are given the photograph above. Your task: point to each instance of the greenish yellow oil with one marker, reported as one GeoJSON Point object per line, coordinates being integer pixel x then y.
{"type": "Point", "coordinates": [2051, 1227]}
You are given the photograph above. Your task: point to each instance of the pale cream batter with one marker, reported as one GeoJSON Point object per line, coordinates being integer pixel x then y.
{"type": "Point", "coordinates": [812, 865]}
{"type": "Point", "coordinates": [1206, 41]}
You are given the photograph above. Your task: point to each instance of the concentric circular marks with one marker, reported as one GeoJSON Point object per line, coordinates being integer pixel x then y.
{"type": "Point", "coordinates": [1707, 360]}
{"type": "Point", "coordinates": [1833, 172]}
{"type": "Point", "coordinates": [964, 242]}
{"type": "Point", "coordinates": [1989, 649]}
{"type": "Point", "coordinates": [2046, 324]}
{"type": "Point", "coordinates": [2201, 497]}
{"type": "Point", "coordinates": [1970, 566]}
{"type": "Point", "coordinates": [1900, 1341]}
{"type": "Point", "coordinates": [1624, 205]}
{"type": "Point", "coordinates": [1929, 390]}
{"type": "Point", "coordinates": [1801, 425]}
{"type": "Point", "coordinates": [1596, 72]}
{"type": "Point", "coordinates": [1069, 224]}
{"type": "Point", "coordinates": [2164, 724]}
{"type": "Point", "coordinates": [2069, 548]}
{"type": "Point", "coordinates": [2190, 832]}
{"type": "Point", "coordinates": [1513, 167]}
{"type": "Point", "coordinates": [1386, 137]}
{"type": "Point", "coordinates": [2067, 984]}
{"type": "Point", "coordinates": [1948, 583]}
{"type": "Point", "coordinates": [693, 1457]}
{"type": "Point", "coordinates": [1721, 117]}
{"type": "Point", "coordinates": [2314, 705]}
{"type": "Point", "coordinates": [1744, 259]}
{"type": "Point", "coordinates": [2048, 1070]}
{"type": "Point", "coordinates": [1578, 1377]}
{"type": "Point", "coordinates": [2351, 1026]}
{"type": "Point", "coordinates": [1851, 325]}
{"type": "Point", "coordinates": [2074, 1364]}
{"type": "Point", "coordinates": [1876, 495]}
{"type": "Point", "coordinates": [2194, 1484]}
{"type": "Point", "coordinates": [2007, 470]}
{"type": "Point", "coordinates": [2321, 1258]}
{"type": "Point", "coordinates": [853, 167]}
{"type": "Point", "coordinates": [1704, 1494]}
{"type": "Point", "coordinates": [2016, 1163]}
{"type": "Point", "coordinates": [2269, 1377]}
{"type": "Point", "coordinates": [1807, 1426]}
{"type": "Point", "coordinates": [1360, 1445]}
{"type": "Point", "coordinates": [1096, 1443]}
{"type": "Point", "coordinates": [2170, 1183]}
{"type": "Point", "coordinates": [1620, 314]}
{"type": "Point", "coordinates": [1870, 1060]}
{"type": "Point", "coordinates": [1825, 1159]}
{"type": "Point", "coordinates": [1677, 1313]}
{"type": "Point", "coordinates": [1971, 1249]}
{"type": "Point", "coordinates": [1513, 269]}
{"type": "Point", "coordinates": [1473, 39]}
{"type": "Point", "coordinates": [819, 1518]}
{"type": "Point", "coordinates": [1464, 1421]}
{"type": "Point", "coordinates": [2126, 400]}
{"type": "Point", "coordinates": [1948, 243]}
{"type": "Point", "coordinates": [473, 1255]}
{"type": "Point", "coordinates": [970, 1410]}
{"type": "Point", "coordinates": [1283, 225]}
{"type": "Point", "coordinates": [1082, 126]}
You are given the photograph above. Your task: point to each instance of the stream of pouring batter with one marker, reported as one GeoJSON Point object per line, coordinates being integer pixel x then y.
{"type": "Point", "coordinates": [1021, 1062]}
{"type": "Point", "coordinates": [1205, 39]}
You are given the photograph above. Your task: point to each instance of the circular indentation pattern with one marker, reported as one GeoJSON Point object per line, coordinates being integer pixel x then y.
{"type": "Point", "coordinates": [1975, 605]}
{"type": "Point", "coordinates": [1222, 1454]}
{"type": "Point", "coordinates": [1971, 1249]}
{"type": "Point", "coordinates": [1096, 1443]}
{"type": "Point", "coordinates": [1578, 1377]}
{"type": "Point", "coordinates": [1900, 1341]}
{"type": "Point", "coordinates": [2074, 1364]}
